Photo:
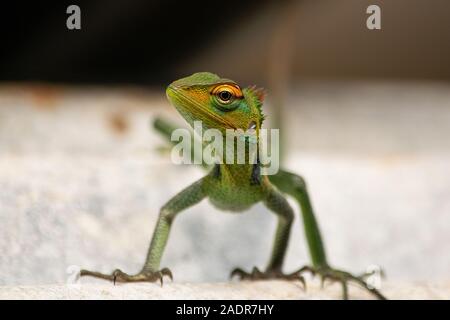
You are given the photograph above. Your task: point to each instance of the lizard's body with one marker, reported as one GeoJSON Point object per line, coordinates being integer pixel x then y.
{"type": "Point", "coordinates": [221, 104]}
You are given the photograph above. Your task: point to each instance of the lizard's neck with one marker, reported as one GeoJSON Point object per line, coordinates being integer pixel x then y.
{"type": "Point", "coordinates": [237, 174]}
{"type": "Point", "coordinates": [241, 168]}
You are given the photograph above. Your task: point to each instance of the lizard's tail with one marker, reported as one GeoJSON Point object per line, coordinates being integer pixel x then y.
{"type": "Point", "coordinates": [164, 127]}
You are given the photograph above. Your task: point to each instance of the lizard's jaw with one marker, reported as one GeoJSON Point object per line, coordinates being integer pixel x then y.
{"type": "Point", "coordinates": [194, 106]}
{"type": "Point", "coordinates": [171, 93]}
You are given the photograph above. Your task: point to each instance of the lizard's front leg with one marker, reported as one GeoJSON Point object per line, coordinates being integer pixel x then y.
{"type": "Point", "coordinates": [150, 271]}
{"type": "Point", "coordinates": [277, 203]}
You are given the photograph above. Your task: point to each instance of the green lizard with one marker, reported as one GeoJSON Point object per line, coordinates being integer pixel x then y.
{"type": "Point", "coordinates": [221, 104]}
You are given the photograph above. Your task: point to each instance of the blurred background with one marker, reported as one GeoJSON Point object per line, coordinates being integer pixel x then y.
{"type": "Point", "coordinates": [364, 117]}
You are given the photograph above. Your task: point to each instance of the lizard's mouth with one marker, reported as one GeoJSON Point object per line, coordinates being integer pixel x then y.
{"type": "Point", "coordinates": [171, 93]}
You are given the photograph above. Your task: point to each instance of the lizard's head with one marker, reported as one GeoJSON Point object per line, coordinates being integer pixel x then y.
{"type": "Point", "coordinates": [217, 102]}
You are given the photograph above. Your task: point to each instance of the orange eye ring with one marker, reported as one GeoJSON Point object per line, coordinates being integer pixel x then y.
{"type": "Point", "coordinates": [226, 93]}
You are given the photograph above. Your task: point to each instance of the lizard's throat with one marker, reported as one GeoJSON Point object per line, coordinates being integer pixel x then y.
{"type": "Point", "coordinates": [239, 151]}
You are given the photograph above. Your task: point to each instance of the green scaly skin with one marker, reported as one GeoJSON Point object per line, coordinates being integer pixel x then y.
{"type": "Point", "coordinates": [236, 187]}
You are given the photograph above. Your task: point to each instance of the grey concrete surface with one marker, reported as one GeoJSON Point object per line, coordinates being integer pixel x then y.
{"type": "Point", "coordinates": [81, 184]}
{"type": "Point", "coordinates": [231, 290]}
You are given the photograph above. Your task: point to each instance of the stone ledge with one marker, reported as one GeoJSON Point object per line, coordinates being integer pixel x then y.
{"type": "Point", "coordinates": [231, 290]}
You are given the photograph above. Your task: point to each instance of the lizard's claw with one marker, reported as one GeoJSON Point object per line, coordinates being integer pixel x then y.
{"type": "Point", "coordinates": [335, 275]}
{"type": "Point", "coordinates": [120, 276]}
{"type": "Point", "coordinates": [256, 274]}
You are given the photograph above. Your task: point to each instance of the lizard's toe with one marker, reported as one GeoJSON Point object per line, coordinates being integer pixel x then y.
{"type": "Point", "coordinates": [120, 276]}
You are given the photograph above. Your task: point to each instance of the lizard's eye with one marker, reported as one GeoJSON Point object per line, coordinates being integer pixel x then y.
{"type": "Point", "coordinates": [225, 94]}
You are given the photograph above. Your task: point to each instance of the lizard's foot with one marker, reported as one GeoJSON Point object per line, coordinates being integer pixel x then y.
{"type": "Point", "coordinates": [120, 276]}
{"type": "Point", "coordinates": [335, 275]}
{"type": "Point", "coordinates": [256, 274]}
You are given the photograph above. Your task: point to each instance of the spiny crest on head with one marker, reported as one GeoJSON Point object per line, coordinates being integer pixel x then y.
{"type": "Point", "coordinates": [258, 95]}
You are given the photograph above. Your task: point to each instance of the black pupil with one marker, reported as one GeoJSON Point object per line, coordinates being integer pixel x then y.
{"type": "Point", "coordinates": [225, 95]}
